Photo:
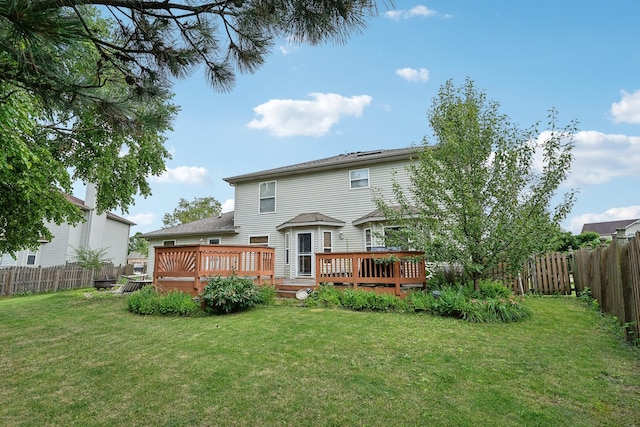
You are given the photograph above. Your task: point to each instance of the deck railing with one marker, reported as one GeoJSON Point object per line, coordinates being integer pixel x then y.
{"type": "Point", "coordinates": [392, 272]}
{"type": "Point", "coordinates": [188, 267]}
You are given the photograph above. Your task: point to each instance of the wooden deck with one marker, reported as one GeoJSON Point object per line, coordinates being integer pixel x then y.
{"type": "Point", "coordinates": [188, 267]}
{"type": "Point", "coordinates": [390, 272]}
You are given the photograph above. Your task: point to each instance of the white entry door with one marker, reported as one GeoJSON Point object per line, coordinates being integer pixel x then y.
{"type": "Point", "coordinates": [304, 254]}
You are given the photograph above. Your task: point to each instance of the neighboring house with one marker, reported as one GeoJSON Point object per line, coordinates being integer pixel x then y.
{"type": "Point", "coordinates": [608, 229]}
{"type": "Point", "coordinates": [107, 231]}
{"type": "Point", "coordinates": [324, 205]}
{"type": "Point", "coordinates": [138, 261]}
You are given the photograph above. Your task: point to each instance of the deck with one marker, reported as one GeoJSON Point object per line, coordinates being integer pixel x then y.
{"type": "Point", "coordinates": [389, 272]}
{"type": "Point", "coordinates": [187, 268]}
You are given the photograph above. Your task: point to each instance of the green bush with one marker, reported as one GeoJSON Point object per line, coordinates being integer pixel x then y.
{"type": "Point", "coordinates": [324, 296]}
{"type": "Point", "coordinates": [267, 295]}
{"type": "Point", "coordinates": [492, 289]}
{"type": "Point", "coordinates": [420, 301]}
{"type": "Point", "coordinates": [144, 301]}
{"type": "Point", "coordinates": [178, 304]}
{"type": "Point", "coordinates": [230, 294]}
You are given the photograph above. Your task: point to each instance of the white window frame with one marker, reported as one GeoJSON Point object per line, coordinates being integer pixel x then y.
{"type": "Point", "coordinates": [261, 197]}
{"type": "Point", "coordinates": [325, 248]}
{"type": "Point", "coordinates": [368, 235]}
{"type": "Point", "coordinates": [219, 239]}
{"type": "Point", "coordinates": [169, 243]}
{"type": "Point", "coordinates": [31, 256]}
{"type": "Point", "coordinates": [287, 248]}
{"type": "Point", "coordinates": [352, 180]}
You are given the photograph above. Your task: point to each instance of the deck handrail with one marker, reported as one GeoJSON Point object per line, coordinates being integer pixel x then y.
{"type": "Point", "coordinates": [397, 268]}
{"type": "Point", "coordinates": [189, 266]}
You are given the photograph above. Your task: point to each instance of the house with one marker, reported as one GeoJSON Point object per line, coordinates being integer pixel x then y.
{"type": "Point", "coordinates": [138, 261]}
{"type": "Point", "coordinates": [324, 205]}
{"type": "Point", "coordinates": [608, 229]}
{"type": "Point", "coordinates": [106, 231]}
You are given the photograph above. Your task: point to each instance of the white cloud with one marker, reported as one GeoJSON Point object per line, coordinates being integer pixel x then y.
{"type": "Point", "coordinates": [413, 75]}
{"type": "Point", "coordinates": [419, 10]}
{"type": "Point", "coordinates": [183, 175]}
{"type": "Point", "coordinates": [228, 205]}
{"type": "Point", "coordinates": [142, 218]}
{"type": "Point", "coordinates": [599, 157]}
{"type": "Point", "coordinates": [289, 117]}
{"type": "Point", "coordinates": [628, 109]}
{"type": "Point", "coordinates": [613, 214]}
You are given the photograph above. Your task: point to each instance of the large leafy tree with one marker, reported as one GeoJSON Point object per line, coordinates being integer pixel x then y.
{"type": "Point", "coordinates": [199, 208]}
{"type": "Point", "coordinates": [85, 89]}
{"type": "Point", "coordinates": [476, 196]}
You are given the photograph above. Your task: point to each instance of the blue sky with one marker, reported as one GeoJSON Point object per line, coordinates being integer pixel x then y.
{"type": "Point", "coordinates": [305, 103]}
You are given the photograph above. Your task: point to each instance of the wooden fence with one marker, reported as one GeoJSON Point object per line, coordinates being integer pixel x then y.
{"type": "Point", "coordinates": [22, 280]}
{"type": "Point", "coordinates": [612, 273]}
{"type": "Point", "coordinates": [547, 274]}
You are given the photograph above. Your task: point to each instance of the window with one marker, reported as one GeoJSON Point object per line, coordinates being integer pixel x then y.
{"type": "Point", "coordinates": [327, 241]}
{"type": "Point", "coordinates": [287, 248]}
{"type": "Point", "coordinates": [214, 241]}
{"type": "Point", "coordinates": [169, 243]}
{"type": "Point", "coordinates": [31, 258]}
{"type": "Point", "coordinates": [396, 237]}
{"type": "Point", "coordinates": [367, 239]}
{"type": "Point", "coordinates": [359, 178]}
{"type": "Point", "coordinates": [267, 197]}
{"type": "Point", "coordinates": [259, 240]}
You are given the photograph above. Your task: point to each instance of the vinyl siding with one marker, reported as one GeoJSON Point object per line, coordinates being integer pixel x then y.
{"type": "Point", "coordinates": [325, 192]}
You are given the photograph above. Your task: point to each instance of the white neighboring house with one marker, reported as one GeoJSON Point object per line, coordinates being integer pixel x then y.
{"type": "Point", "coordinates": [324, 205]}
{"type": "Point", "coordinates": [108, 231]}
{"type": "Point", "coordinates": [608, 229]}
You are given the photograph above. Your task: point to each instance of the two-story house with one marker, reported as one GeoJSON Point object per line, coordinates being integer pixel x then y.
{"type": "Point", "coordinates": [98, 231]}
{"type": "Point", "coordinates": [324, 205]}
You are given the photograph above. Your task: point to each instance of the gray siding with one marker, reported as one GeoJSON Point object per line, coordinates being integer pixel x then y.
{"type": "Point", "coordinates": [326, 192]}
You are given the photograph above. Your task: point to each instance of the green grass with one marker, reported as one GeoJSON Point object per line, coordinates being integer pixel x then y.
{"type": "Point", "coordinates": [67, 359]}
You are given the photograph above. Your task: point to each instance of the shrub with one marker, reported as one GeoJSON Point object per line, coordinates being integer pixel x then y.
{"type": "Point", "coordinates": [324, 296]}
{"type": "Point", "coordinates": [267, 295]}
{"type": "Point", "coordinates": [420, 301]}
{"type": "Point", "coordinates": [496, 310]}
{"type": "Point", "coordinates": [144, 301]}
{"type": "Point", "coordinates": [230, 294]}
{"type": "Point", "coordinates": [178, 304]}
{"type": "Point", "coordinates": [492, 289]}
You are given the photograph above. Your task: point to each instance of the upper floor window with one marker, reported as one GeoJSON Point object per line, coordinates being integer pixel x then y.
{"type": "Point", "coordinates": [169, 243]}
{"type": "Point", "coordinates": [214, 240]}
{"type": "Point", "coordinates": [31, 258]}
{"type": "Point", "coordinates": [267, 196]}
{"type": "Point", "coordinates": [359, 178]}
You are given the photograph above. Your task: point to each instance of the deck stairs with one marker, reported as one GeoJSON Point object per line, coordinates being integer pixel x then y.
{"type": "Point", "coordinates": [287, 288]}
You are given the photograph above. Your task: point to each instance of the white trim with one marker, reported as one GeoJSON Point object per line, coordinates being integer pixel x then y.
{"type": "Point", "coordinates": [351, 180]}
{"type": "Point", "coordinates": [260, 198]}
{"type": "Point", "coordinates": [310, 254]}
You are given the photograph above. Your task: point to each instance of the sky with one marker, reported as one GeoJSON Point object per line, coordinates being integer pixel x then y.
{"type": "Point", "coordinates": [581, 57]}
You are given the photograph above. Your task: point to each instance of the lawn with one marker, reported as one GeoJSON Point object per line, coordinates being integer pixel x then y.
{"type": "Point", "coordinates": [80, 359]}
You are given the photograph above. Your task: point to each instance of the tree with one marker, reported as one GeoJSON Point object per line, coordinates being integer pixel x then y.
{"type": "Point", "coordinates": [138, 244]}
{"type": "Point", "coordinates": [475, 196]}
{"type": "Point", "coordinates": [199, 208]}
{"type": "Point", "coordinates": [564, 241]}
{"type": "Point", "coordinates": [88, 98]}
{"type": "Point", "coordinates": [92, 259]}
